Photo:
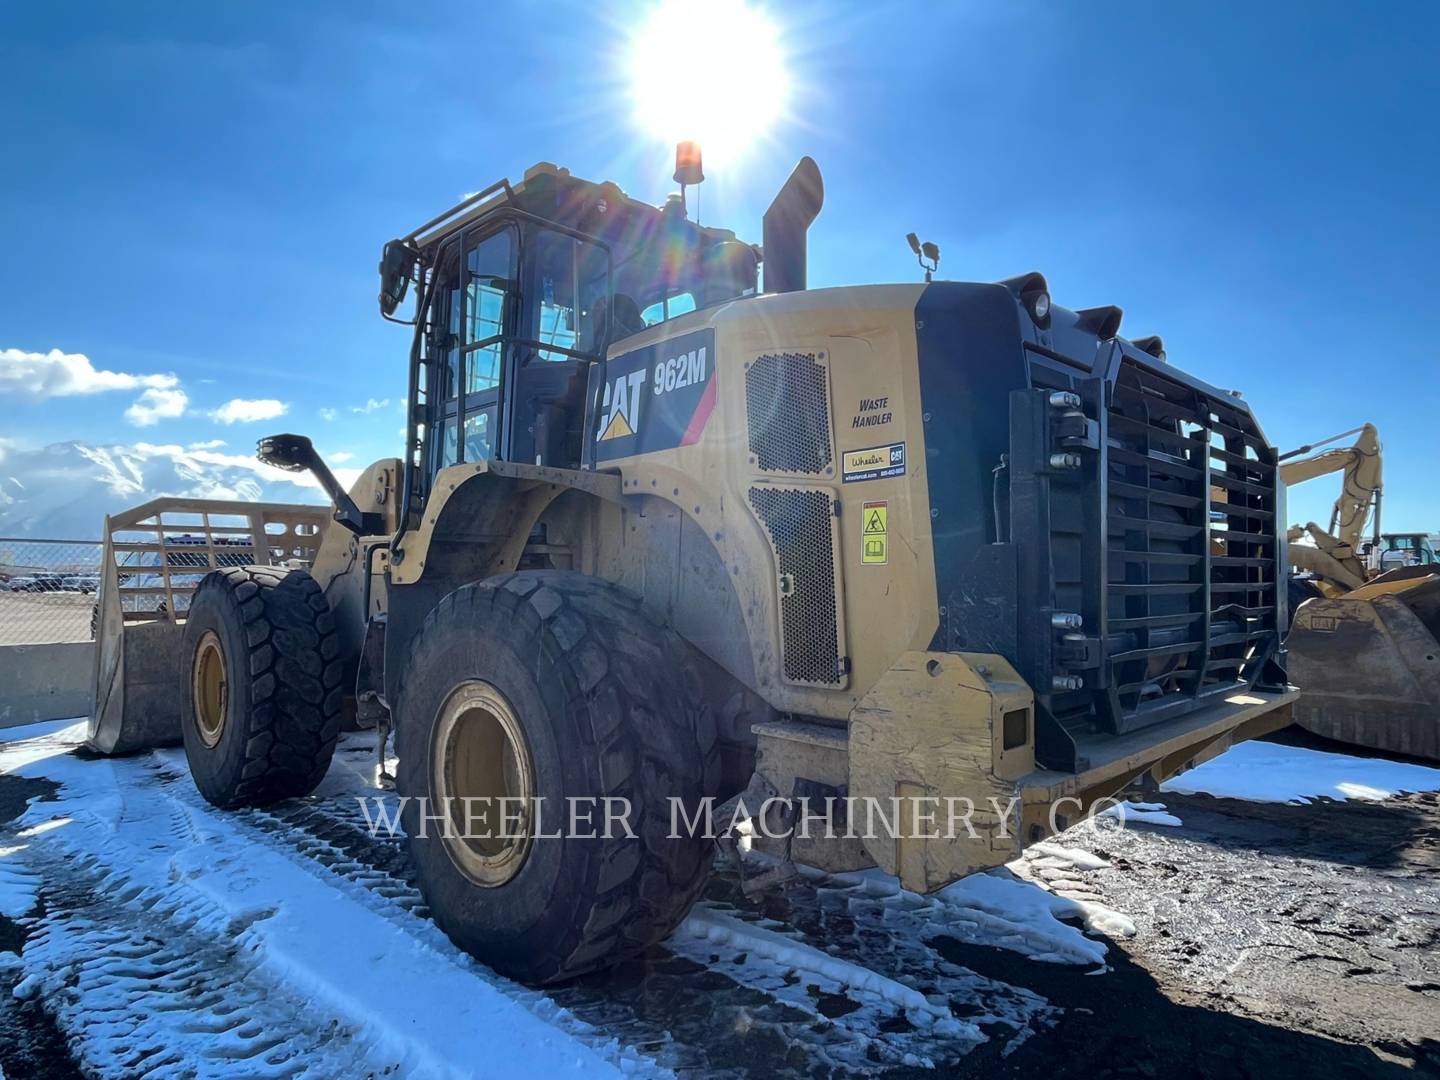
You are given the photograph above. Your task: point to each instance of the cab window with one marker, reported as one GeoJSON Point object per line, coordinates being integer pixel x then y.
{"type": "Point", "coordinates": [489, 275]}
{"type": "Point", "coordinates": [668, 308]}
{"type": "Point", "coordinates": [570, 278]}
{"type": "Point", "coordinates": [471, 346]}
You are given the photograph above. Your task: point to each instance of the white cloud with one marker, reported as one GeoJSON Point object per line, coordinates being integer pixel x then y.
{"type": "Point", "coordinates": [340, 455]}
{"type": "Point", "coordinates": [243, 411]}
{"type": "Point", "coordinates": [56, 374]}
{"type": "Point", "coordinates": [66, 489]}
{"type": "Point", "coordinates": [327, 414]}
{"type": "Point", "coordinates": [155, 405]}
{"type": "Point", "coordinates": [197, 460]}
{"type": "Point", "coordinates": [370, 406]}
{"type": "Point", "coordinates": [208, 444]}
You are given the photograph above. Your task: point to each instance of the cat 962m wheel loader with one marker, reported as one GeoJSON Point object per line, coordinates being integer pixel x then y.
{"type": "Point", "coordinates": [661, 536]}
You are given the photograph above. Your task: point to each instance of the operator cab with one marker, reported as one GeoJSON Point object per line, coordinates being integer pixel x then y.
{"type": "Point", "coordinates": [1406, 549]}
{"type": "Point", "coordinates": [522, 290]}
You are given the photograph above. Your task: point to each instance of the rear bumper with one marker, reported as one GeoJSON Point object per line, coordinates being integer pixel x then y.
{"type": "Point", "coordinates": [942, 728]}
{"type": "Point", "coordinates": [1157, 752]}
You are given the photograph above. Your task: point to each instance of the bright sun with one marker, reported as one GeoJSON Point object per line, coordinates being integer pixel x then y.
{"type": "Point", "coordinates": [710, 70]}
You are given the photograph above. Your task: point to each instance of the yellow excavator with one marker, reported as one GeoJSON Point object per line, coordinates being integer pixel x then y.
{"type": "Point", "coordinates": [1364, 643]}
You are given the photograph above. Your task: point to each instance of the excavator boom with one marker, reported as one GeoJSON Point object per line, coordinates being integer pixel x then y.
{"type": "Point", "coordinates": [1337, 558]}
{"type": "Point", "coordinates": [1365, 652]}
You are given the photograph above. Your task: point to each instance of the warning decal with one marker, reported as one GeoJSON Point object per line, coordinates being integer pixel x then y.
{"type": "Point", "coordinates": [875, 533]}
{"type": "Point", "coordinates": [875, 463]}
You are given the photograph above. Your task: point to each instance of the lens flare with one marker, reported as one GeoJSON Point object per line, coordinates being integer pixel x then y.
{"type": "Point", "coordinates": [710, 70]}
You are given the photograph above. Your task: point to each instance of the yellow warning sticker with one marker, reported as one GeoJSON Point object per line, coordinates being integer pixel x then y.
{"type": "Point", "coordinates": [875, 533]}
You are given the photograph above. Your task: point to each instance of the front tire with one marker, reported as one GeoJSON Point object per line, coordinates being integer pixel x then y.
{"type": "Point", "coordinates": [264, 692]}
{"type": "Point", "coordinates": [553, 686]}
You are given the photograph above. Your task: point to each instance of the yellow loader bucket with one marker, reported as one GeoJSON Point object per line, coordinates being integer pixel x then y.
{"type": "Point", "coordinates": [1368, 664]}
{"type": "Point", "coordinates": [155, 556]}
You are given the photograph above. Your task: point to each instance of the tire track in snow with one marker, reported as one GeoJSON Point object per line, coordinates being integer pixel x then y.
{"type": "Point", "coordinates": [139, 995]}
{"type": "Point", "coordinates": [706, 1001]}
{"type": "Point", "coordinates": [842, 1021]}
{"type": "Point", "coordinates": [325, 845]}
{"type": "Point", "coordinates": [127, 851]}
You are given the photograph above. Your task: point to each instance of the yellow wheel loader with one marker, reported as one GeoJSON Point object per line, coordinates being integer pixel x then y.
{"type": "Point", "coordinates": [1365, 642]}
{"type": "Point", "coordinates": [906, 576]}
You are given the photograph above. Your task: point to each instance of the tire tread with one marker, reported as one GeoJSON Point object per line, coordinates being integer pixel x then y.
{"type": "Point", "coordinates": [613, 659]}
{"type": "Point", "coordinates": [296, 688]}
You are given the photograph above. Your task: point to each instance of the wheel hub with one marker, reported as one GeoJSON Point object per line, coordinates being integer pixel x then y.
{"type": "Point", "coordinates": [483, 780]}
{"type": "Point", "coordinates": [210, 689]}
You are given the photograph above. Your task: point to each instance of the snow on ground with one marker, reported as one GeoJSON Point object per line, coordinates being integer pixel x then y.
{"type": "Point", "coordinates": [18, 887]}
{"type": "Point", "coordinates": [26, 732]}
{"type": "Point", "coordinates": [1146, 813]}
{"type": "Point", "coordinates": [709, 924]}
{"type": "Point", "coordinates": [172, 932]}
{"type": "Point", "coordinates": [1035, 914]}
{"type": "Point", "coordinates": [1005, 908]}
{"type": "Point", "coordinates": [219, 939]}
{"type": "Point", "coordinates": [854, 968]}
{"type": "Point", "coordinates": [1272, 772]}
{"type": "Point", "coordinates": [183, 891]}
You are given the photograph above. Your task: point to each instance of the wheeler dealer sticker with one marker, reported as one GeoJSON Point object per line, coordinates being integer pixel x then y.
{"type": "Point", "coordinates": [875, 463]}
{"type": "Point", "coordinates": [875, 533]}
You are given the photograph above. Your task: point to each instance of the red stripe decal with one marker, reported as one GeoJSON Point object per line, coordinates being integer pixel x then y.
{"type": "Point", "coordinates": [701, 416]}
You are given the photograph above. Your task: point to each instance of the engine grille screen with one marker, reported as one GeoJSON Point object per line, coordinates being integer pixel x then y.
{"type": "Point", "coordinates": [787, 403]}
{"type": "Point", "coordinates": [801, 524]}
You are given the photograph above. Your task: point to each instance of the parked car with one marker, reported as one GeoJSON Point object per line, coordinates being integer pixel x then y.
{"type": "Point", "coordinates": [46, 583]}
{"type": "Point", "coordinates": [85, 583]}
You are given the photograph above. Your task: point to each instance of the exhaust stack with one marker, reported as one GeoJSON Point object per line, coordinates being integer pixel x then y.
{"type": "Point", "coordinates": [785, 225]}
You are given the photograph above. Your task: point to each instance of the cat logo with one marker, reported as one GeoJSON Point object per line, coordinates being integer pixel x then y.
{"type": "Point", "coordinates": [654, 398]}
{"type": "Point", "coordinates": [620, 407]}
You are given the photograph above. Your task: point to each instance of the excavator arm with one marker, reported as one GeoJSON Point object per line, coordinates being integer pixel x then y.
{"type": "Point", "coordinates": [1335, 557]}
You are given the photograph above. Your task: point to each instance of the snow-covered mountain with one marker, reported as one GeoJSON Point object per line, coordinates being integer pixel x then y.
{"type": "Point", "coordinates": [65, 490]}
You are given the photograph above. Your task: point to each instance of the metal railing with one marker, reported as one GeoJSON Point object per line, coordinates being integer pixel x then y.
{"type": "Point", "coordinates": [48, 590]}
{"type": "Point", "coordinates": [162, 549]}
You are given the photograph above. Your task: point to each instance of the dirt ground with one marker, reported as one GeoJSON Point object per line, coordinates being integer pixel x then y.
{"type": "Point", "coordinates": [1273, 939]}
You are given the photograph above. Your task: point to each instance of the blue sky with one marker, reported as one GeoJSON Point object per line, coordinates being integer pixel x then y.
{"type": "Point", "coordinates": [201, 190]}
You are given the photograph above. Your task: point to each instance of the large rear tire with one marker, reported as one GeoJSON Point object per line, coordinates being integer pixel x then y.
{"type": "Point", "coordinates": [554, 686]}
{"type": "Point", "coordinates": [264, 691]}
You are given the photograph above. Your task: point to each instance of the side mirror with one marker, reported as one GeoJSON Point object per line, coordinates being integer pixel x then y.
{"type": "Point", "coordinates": [395, 265]}
{"type": "Point", "coordinates": [293, 453]}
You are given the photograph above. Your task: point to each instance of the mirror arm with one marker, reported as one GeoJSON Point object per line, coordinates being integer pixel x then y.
{"type": "Point", "coordinates": [295, 453]}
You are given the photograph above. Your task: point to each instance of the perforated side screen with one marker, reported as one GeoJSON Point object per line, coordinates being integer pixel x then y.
{"type": "Point", "coordinates": [787, 404]}
{"type": "Point", "coordinates": [802, 532]}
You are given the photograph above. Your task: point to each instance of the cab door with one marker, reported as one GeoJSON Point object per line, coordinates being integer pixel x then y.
{"type": "Point", "coordinates": [479, 305]}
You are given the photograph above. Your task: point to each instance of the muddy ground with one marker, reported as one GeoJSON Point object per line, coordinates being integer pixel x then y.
{"type": "Point", "coordinates": [1272, 939]}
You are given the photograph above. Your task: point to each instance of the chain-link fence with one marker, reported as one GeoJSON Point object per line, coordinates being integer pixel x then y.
{"type": "Point", "coordinates": [48, 590]}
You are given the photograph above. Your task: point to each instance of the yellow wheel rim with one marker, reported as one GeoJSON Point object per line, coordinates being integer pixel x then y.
{"type": "Point", "coordinates": [479, 757]}
{"type": "Point", "coordinates": [210, 689]}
